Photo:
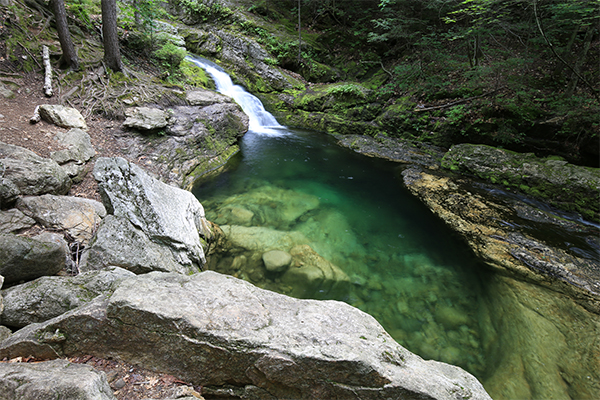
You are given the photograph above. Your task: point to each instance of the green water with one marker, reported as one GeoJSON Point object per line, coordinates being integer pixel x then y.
{"type": "Point", "coordinates": [405, 267]}
{"type": "Point", "coordinates": [390, 257]}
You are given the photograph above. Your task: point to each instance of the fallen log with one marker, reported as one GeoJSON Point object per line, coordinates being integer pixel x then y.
{"type": "Point", "coordinates": [48, 74]}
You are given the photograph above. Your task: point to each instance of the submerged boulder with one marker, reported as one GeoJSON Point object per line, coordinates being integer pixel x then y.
{"type": "Point", "coordinates": [312, 276]}
{"type": "Point", "coordinates": [259, 239]}
{"type": "Point", "coordinates": [224, 332]}
{"type": "Point", "coordinates": [168, 215]}
{"type": "Point", "coordinates": [277, 260]}
{"type": "Point", "coordinates": [280, 207]}
{"type": "Point", "coordinates": [57, 379]}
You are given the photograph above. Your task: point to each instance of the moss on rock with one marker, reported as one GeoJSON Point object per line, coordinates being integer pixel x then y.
{"type": "Point", "coordinates": [564, 185]}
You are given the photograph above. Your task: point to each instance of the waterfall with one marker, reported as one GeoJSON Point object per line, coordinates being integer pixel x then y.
{"type": "Point", "coordinates": [261, 121]}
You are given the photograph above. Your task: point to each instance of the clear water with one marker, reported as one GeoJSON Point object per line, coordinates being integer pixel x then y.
{"type": "Point", "coordinates": [405, 267]}
{"type": "Point", "coordinates": [380, 249]}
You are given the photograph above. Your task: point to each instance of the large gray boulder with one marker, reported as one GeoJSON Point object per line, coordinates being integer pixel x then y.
{"type": "Point", "coordinates": [51, 380]}
{"type": "Point", "coordinates": [197, 139]}
{"type": "Point", "coordinates": [78, 150]}
{"type": "Point", "coordinates": [1, 298]}
{"type": "Point", "coordinates": [9, 192]}
{"type": "Point", "coordinates": [66, 117]}
{"type": "Point", "coordinates": [50, 296]}
{"type": "Point", "coordinates": [145, 118]}
{"type": "Point", "coordinates": [118, 242]}
{"type": "Point", "coordinates": [13, 220]}
{"type": "Point", "coordinates": [215, 330]}
{"type": "Point", "coordinates": [23, 258]}
{"type": "Point", "coordinates": [168, 215]}
{"type": "Point", "coordinates": [78, 216]}
{"type": "Point", "coordinates": [30, 173]}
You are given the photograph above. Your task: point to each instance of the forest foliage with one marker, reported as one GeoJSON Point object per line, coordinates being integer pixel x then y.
{"type": "Point", "coordinates": [529, 68]}
{"type": "Point", "coordinates": [523, 74]}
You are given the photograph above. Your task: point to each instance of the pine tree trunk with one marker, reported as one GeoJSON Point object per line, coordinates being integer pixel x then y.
{"type": "Point", "coordinates": [112, 53]}
{"type": "Point", "coordinates": [299, 35]}
{"type": "Point", "coordinates": [69, 56]}
{"type": "Point", "coordinates": [587, 42]}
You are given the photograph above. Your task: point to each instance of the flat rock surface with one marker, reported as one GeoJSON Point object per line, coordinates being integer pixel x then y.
{"type": "Point", "coordinates": [225, 331]}
{"type": "Point", "coordinates": [392, 149]}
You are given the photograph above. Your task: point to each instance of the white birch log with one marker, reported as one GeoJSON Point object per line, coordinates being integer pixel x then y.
{"type": "Point", "coordinates": [36, 116]}
{"type": "Point", "coordinates": [48, 80]}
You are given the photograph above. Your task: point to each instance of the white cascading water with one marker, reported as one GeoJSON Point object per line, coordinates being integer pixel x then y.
{"type": "Point", "coordinates": [261, 121]}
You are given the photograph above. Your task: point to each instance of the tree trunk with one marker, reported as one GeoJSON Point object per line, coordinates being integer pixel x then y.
{"type": "Point", "coordinates": [594, 91]}
{"type": "Point", "coordinates": [69, 57]}
{"type": "Point", "coordinates": [299, 35]}
{"type": "Point", "coordinates": [112, 53]}
{"type": "Point", "coordinates": [587, 42]}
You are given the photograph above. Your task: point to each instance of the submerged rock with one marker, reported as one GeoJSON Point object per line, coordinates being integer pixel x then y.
{"type": "Point", "coordinates": [224, 332]}
{"type": "Point", "coordinates": [260, 239]}
{"type": "Point", "coordinates": [57, 379]}
{"type": "Point", "coordinates": [541, 343]}
{"type": "Point", "coordinates": [278, 207]}
{"type": "Point", "coordinates": [277, 260]}
{"type": "Point", "coordinates": [312, 276]}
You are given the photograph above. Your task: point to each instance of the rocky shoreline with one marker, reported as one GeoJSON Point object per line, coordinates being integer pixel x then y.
{"type": "Point", "coordinates": [263, 344]}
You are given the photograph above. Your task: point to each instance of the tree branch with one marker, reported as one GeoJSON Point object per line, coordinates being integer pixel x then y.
{"type": "Point", "coordinates": [457, 102]}
{"type": "Point", "coordinates": [539, 25]}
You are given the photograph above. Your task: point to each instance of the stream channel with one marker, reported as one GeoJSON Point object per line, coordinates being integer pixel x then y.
{"type": "Point", "coordinates": [385, 253]}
